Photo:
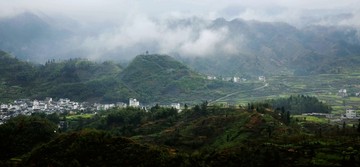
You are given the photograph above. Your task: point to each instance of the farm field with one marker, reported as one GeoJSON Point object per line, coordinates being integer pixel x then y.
{"type": "Point", "coordinates": [325, 87]}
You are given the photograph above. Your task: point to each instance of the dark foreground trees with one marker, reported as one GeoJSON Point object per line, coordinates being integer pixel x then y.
{"type": "Point", "coordinates": [200, 136]}
{"type": "Point", "coordinates": [21, 134]}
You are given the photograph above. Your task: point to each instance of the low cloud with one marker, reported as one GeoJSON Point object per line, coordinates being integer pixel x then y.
{"type": "Point", "coordinates": [160, 37]}
{"type": "Point", "coordinates": [205, 44]}
{"type": "Point", "coordinates": [124, 28]}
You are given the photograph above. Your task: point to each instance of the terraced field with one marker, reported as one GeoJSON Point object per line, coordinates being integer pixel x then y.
{"type": "Point", "coordinates": [325, 87]}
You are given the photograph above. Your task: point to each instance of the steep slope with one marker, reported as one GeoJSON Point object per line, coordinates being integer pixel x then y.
{"type": "Point", "coordinates": [160, 77]}
{"type": "Point", "coordinates": [77, 79]}
{"type": "Point", "coordinates": [30, 37]}
{"type": "Point", "coordinates": [14, 76]}
{"type": "Point", "coordinates": [12, 70]}
{"type": "Point", "coordinates": [81, 80]}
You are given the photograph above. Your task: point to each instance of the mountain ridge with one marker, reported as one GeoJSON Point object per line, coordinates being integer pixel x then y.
{"type": "Point", "coordinates": [271, 48]}
{"type": "Point", "coordinates": [214, 47]}
{"type": "Point", "coordinates": [149, 78]}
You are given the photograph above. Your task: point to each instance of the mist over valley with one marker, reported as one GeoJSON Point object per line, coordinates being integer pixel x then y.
{"type": "Point", "coordinates": [179, 83]}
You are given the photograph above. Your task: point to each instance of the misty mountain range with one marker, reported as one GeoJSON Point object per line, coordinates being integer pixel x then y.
{"type": "Point", "coordinates": [149, 78]}
{"type": "Point", "coordinates": [218, 47]}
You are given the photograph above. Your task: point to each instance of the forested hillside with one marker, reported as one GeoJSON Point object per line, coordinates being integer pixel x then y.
{"type": "Point", "coordinates": [150, 78]}
{"type": "Point", "coordinates": [160, 78]}
{"type": "Point", "coordinates": [199, 136]}
{"type": "Point", "coordinates": [14, 77]}
{"type": "Point", "coordinates": [78, 79]}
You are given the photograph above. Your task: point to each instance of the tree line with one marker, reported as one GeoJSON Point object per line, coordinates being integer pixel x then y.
{"type": "Point", "coordinates": [300, 104]}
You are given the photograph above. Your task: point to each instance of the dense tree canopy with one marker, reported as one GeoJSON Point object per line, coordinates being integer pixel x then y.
{"type": "Point", "coordinates": [204, 135]}
{"type": "Point", "coordinates": [21, 134]}
{"type": "Point", "coordinates": [300, 104]}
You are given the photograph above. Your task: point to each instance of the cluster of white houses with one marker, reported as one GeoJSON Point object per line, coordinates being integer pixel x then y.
{"type": "Point", "coordinates": [349, 114]}
{"type": "Point", "coordinates": [64, 105]}
{"type": "Point", "coordinates": [49, 106]}
{"type": "Point", "coordinates": [234, 79]}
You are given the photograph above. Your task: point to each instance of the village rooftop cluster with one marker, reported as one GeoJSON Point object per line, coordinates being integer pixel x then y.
{"type": "Point", "coordinates": [63, 105]}
{"type": "Point", "coordinates": [234, 79]}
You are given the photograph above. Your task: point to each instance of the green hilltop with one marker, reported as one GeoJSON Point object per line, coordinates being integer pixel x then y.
{"type": "Point", "coordinates": [162, 78]}
{"type": "Point", "coordinates": [78, 79]}
{"type": "Point", "coordinates": [150, 78]}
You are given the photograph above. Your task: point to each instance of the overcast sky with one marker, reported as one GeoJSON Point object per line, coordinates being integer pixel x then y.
{"type": "Point", "coordinates": [139, 24]}
{"type": "Point", "coordinates": [113, 10]}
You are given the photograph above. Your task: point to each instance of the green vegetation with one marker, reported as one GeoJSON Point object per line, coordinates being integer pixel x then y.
{"type": "Point", "coordinates": [311, 119]}
{"type": "Point", "coordinates": [162, 78]}
{"type": "Point", "coordinates": [324, 87]}
{"type": "Point", "coordinates": [301, 104]}
{"type": "Point", "coordinates": [82, 116]}
{"type": "Point", "coordinates": [97, 148]}
{"type": "Point", "coordinates": [204, 135]}
{"type": "Point", "coordinates": [266, 131]}
{"type": "Point", "coordinates": [74, 78]}
{"type": "Point", "coordinates": [149, 78]}
{"type": "Point", "coordinates": [21, 134]}
{"type": "Point", "coordinates": [14, 76]}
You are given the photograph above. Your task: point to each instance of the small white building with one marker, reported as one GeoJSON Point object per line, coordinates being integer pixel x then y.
{"type": "Point", "coordinates": [4, 106]}
{"type": "Point", "coordinates": [107, 106]}
{"type": "Point", "coordinates": [48, 100]}
{"type": "Point", "coordinates": [121, 105]}
{"type": "Point", "coordinates": [211, 77]}
{"type": "Point", "coordinates": [176, 106]}
{"type": "Point", "coordinates": [262, 78]}
{"type": "Point", "coordinates": [133, 102]}
{"type": "Point", "coordinates": [236, 79]}
{"type": "Point", "coordinates": [75, 105]}
{"type": "Point", "coordinates": [342, 93]}
{"type": "Point", "coordinates": [36, 105]}
{"type": "Point", "coordinates": [227, 79]}
{"type": "Point", "coordinates": [350, 113]}
{"type": "Point", "coordinates": [64, 101]}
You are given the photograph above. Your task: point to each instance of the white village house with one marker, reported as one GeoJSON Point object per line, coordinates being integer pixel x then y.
{"type": "Point", "coordinates": [350, 113]}
{"type": "Point", "coordinates": [262, 78]}
{"type": "Point", "coordinates": [134, 103]}
{"type": "Point", "coordinates": [342, 93]}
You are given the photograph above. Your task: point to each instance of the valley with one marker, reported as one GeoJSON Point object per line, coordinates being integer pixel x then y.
{"type": "Point", "coordinates": [179, 90]}
{"type": "Point", "coordinates": [325, 87]}
{"type": "Point", "coordinates": [279, 120]}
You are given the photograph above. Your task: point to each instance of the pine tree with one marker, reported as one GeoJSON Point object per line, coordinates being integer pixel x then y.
{"type": "Point", "coordinates": [288, 117]}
